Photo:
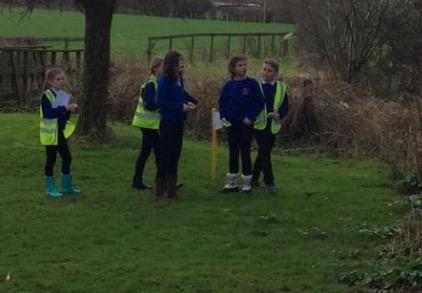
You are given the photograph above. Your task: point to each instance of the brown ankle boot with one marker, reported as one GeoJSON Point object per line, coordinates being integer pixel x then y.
{"type": "Point", "coordinates": [172, 186]}
{"type": "Point", "coordinates": [160, 188]}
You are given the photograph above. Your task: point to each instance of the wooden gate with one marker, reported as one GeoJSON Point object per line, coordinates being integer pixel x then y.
{"type": "Point", "coordinates": [22, 70]}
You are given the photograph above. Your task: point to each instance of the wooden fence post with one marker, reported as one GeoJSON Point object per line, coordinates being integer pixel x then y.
{"type": "Point", "coordinates": [149, 52]}
{"type": "Point", "coordinates": [25, 75]}
{"type": "Point", "coordinates": [53, 58]}
{"type": "Point", "coordinates": [79, 59]}
{"type": "Point", "coordinates": [34, 72]}
{"type": "Point", "coordinates": [285, 48]}
{"type": "Point", "coordinates": [14, 79]}
{"type": "Point", "coordinates": [192, 48]}
{"type": "Point", "coordinates": [43, 58]}
{"type": "Point", "coordinates": [228, 46]}
{"type": "Point", "coordinates": [170, 44]}
{"type": "Point", "coordinates": [280, 49]}
{"type": "Point", "coordinates": [212, 48]}
{"type": "Point", "coordinates": [66, 59]}
{"type": "Point", "coordinates": [259, 45]}
{"type": "Point", "coordinates": [272, 44]}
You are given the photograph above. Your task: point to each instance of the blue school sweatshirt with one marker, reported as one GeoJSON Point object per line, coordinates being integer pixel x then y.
{"type": "Point", "coordinates": [241, 99]}
{"type": "Point", "coordinates": [269, 90]}
{"type": "Point", "coordinates": [150, 101]}
{"type": "Point", "coordinates": [49, 112]}
{"type": "Point", "coordinates": [170, 99]}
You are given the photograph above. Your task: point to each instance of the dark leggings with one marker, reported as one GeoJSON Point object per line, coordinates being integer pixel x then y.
{"type": "Point", "coordinates": [266, 141]}
{"type": "Point", "coordinates": [171, 142]}
{"type": "Point", "coordinates": [150, 142]}
{"type": "Point", "coordinates": [240, 139]}
{"type": "Point", "coordinates": [51, 152]}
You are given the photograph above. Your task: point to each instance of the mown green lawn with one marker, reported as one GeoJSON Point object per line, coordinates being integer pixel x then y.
{"type": "Point", "coordinates": [129, 32]}
{"type": "Point", "coordinates": [115, 239]}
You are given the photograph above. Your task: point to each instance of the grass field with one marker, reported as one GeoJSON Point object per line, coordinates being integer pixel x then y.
{"type": "Point", "coordinates": [115, 239]}
{"type": "Point", "coordinates": [129, 32]}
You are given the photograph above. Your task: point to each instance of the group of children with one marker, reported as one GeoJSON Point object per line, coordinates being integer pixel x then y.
{"type": "Point", "coordinates": [160, 115]}
{"type": "Point", "coordinates": [248, 108]}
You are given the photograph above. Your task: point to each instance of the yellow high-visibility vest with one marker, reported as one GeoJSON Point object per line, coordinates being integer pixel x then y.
{"type": "Point", "coordinates": [49, 128]}
{"type": "Point", "coordinates": [143, 117]}
{"type": "Point", "coordinates": [261, 120]}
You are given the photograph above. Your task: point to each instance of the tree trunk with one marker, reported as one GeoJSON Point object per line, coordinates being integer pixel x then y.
{"type": "Point", "coordinates": [92, 123]}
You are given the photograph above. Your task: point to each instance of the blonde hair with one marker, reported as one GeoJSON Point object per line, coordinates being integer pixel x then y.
{"type": "Point", "coordinates": [155, 63]}
{"type": "Point", "coordinates": [273, 63]}
{"type": "Point", "coordinates": [50, 74]}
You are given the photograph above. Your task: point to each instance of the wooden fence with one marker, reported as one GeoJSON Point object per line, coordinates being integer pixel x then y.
{"type": "Point", "coordinates": [23, 62]}
{"type": "Point", "coordinates": [254, 44]}
{"type": "Point", "coordinates": [22, 69]}
{"type": "Point", "coordinates": [12, 42]}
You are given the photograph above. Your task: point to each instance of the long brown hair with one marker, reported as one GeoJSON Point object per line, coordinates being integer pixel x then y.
{"type": "Point", "coordinates": [171, 61]}
{"type": "Point", "coordinates": [50, 74]}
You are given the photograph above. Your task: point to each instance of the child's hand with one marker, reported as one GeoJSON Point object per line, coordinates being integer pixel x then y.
{"type": "Point", "coordinates": [247, 121]}
{"type": "Point", "coordinates": [192, 105]}
{"type": "Point", "coordinates": [274, 116]}
{"type": "Point", "coordinates": [72, 107]}
{"type": "Point", "coordinates": [225, 122]}
{"type": "Point", "coordinates": [188, 107]}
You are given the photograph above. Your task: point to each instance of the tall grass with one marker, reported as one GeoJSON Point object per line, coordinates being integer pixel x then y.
{"type": "Point", "coordinates": [327, 115]}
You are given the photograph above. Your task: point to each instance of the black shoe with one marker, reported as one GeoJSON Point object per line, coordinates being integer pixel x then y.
{"type": "Point", "coordinates": [141, 186]}
{"type": "Point", "coordinates": [179, 185]}
{"type": "Point", "coordinates": [270, 188]}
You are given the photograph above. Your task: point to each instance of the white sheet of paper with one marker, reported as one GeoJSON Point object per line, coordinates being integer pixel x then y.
{"type": "Point", "coordinates": [62, 99]}
{"type": "Point", "coordinates": [216, 121]}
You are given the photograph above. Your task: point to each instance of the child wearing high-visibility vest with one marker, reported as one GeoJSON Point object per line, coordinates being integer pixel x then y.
{"type": "Point", "coordinates": [240, 103]}
{"type": "Point", "coordinates": [55, 129]}
{"type": "Point", "coordinates": [276, 108]}
{"type": "Point", "coordinates": [147, 119]}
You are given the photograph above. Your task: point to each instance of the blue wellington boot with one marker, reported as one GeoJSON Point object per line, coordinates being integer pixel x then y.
{"type": "Point", "coordinates": [51, 187]}
{"type": "Point", "coordinates": [67, 185]}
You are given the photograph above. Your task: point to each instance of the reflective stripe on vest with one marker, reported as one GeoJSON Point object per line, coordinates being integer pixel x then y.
{"type": "Point", "coordinates": [69, 129]}
{"type": "Point", "coordinates": [49, 127]}
{"type": "Point", "coordinates": [50, 121]}
{"type": "Point", "coordinates": [48, 131]}
{"type": "Point", "coordinates": [148, 115]}
{"type": "Point", "coordinates": [143, 117]}
{"type": "Point", "coordinates": [261, 121]}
